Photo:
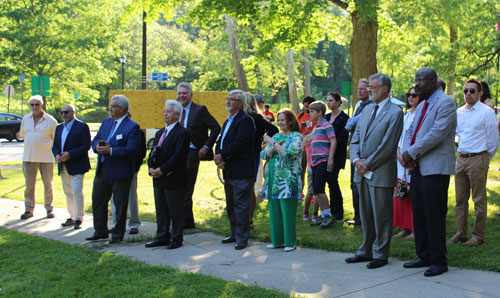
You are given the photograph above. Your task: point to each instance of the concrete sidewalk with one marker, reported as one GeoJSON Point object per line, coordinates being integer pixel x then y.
{"type": "Point", "coordinates": [305, 271]}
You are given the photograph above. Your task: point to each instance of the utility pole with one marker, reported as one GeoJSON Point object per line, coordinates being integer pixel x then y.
{"type": "Point", "coordinates": [144, 47]}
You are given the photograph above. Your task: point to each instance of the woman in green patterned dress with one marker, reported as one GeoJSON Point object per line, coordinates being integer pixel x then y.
{"type": "Point", "coordinates": [283, 186]}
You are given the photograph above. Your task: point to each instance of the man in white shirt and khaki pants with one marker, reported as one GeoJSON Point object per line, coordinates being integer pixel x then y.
{"type": "Point", "coordinates": [478, 142]}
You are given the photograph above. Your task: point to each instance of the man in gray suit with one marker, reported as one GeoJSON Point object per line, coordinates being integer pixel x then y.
{"type": "Point", "coordinates": [373, 152]}
{"type": "Point", "coordinates": [429, 151]}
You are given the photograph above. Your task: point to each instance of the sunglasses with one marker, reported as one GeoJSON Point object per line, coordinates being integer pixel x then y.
{"type": "Point", "coordinates": [411, 94]}
{"type": "Point", "coordinates": [471, 91]}
{"type": "Point", "coordinates": [65, 112]}
{"type": "Point", "coordinates": [34, 104]}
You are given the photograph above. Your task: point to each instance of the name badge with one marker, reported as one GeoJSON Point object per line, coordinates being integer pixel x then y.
{"type": "Point", "coordinates": [119, 137]}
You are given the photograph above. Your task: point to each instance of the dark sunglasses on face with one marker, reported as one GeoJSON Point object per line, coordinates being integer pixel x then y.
{"type": "Point", "coordinates": [411, 94]}
{"type": "Point", "coordinates": [34, 104]}
{"type": "Point", "coordinates": [471, 91]}
{"type": "Point", "coordinates": [65, 112]}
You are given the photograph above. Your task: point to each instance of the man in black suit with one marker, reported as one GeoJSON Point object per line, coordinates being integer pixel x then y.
{"type": "Point", "coordinates": [234, 155]}
{"type": "Point", "coordinates": [117, 145]}
{"type": "Point", "coordinates": [198, 121]}
{"type": "Point", "coordinates": [167, 166]}
{"type": "Point", "coordinates": [70, 149]}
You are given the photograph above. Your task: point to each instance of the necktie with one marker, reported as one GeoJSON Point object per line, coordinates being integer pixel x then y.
{"type": "Point", "coordinates": [183, 117]}
{"type": "Point", "coordinates": [374, 114]}
{"type": "Point", "coordinates": [163, 136]}
{"type": "Point", "coordinates": [424, 109]}
{"type": "Point", "coordinates": [361, 107]}
{"type": "Point", "coordinates": [111, 131]}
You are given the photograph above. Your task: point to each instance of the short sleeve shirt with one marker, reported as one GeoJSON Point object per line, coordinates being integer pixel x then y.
{"type": "Point", "coordinates": [320, 142]}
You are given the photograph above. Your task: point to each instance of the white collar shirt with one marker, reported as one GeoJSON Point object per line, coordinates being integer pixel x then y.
{"type": "Point", "coordinates": [39, 138]}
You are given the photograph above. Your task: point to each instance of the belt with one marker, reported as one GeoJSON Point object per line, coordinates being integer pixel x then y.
{"type": "Point", "coordinates": [467, 155]}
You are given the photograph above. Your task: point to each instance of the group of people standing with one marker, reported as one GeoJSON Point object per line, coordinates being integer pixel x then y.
{"type": "Point", "coordinates": [386, 147]}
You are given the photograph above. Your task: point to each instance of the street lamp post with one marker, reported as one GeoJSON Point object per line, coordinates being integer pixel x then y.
{"type": "Point", "coordinates": [123, 60]}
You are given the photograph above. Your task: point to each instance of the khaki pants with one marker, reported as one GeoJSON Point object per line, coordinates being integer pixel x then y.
{"type": "Point", "coordinates": [30, 171]}
{"type": "Point", "coordinates": [73, 189]}
{"type": "Point", "coordinates": [471, 174]}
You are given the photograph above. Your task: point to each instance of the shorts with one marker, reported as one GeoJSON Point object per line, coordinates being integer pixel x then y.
{"type": "Point", "coordinates": [310, 190]}
{"type": "Point", "coordinates": [319, 177]}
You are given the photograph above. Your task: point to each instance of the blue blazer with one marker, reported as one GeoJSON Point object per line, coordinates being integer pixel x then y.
{"type": "Point", "coordinates": [77, 145]}
{"type": "Point", "coordinates": [124, 143]}
{"type": "Point", "coordinates": [238, 147]}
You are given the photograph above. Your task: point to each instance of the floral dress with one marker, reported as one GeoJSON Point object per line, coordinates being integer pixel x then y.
{"type": "Point", "coordinates": [283, 172]}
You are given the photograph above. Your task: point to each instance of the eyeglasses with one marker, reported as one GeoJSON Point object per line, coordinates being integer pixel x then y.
{"type": "Point", "coordinates": [411, 94]}
{"type": "Point", "coordinates": [34, 104]}
{"type": "Point", "coordinates": [114, 106]}
{"type": "Point", "coordinates": [65, 112]}
{"type": "Point", "coordinates": [373, 87]}
{"type": "Point", "coordinates": [471, 91]}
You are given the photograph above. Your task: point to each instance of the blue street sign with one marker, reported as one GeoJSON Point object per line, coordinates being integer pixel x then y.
{"type": "Point", "coordinates": [21, 78]}
{"type": "Point", "coordinates": [157, 76]}
{"type": "Point", "coordinates": [76, 95]}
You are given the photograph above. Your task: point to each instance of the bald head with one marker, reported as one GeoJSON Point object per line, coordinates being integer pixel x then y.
{"type": "Point", "coordinates": [425, 82]}
{"type": "Point", "coordinates": [67, 113]}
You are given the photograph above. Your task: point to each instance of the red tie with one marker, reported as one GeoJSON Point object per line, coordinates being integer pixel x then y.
{"type": "Point", "coordinates": [424, 109]}
{"type": "Point", "coordinates": [183, 116]}
{"type": "Point", "coordinates": [163, 136]}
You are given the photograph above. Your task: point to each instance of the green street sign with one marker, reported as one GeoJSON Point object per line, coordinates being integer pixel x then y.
{"type": "Point", "coordinates": [346, 89]}
{"type": "Point", "coordinates": [40, 85]}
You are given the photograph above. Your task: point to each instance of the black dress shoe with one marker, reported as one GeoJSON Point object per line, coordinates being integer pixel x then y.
{"type": "Point", "coordinates": [96, 237]}
{"type": "Point", "coordinates": [240, 246]}
{"type": "Point", "coordinates": [229, 239]}
{"type": "Point", "coordinates": [417, 263]}
{"type": "Point", "coordinates": [78, 224]}
{"type": "Point", "coordinates": [357, 259]}
{"type": "Point", "coordinates": [115, 240]}
{"type": "Point", "coordinates": [174, 245]}
{"type": "Point", "coordinates": [68, 222]}
{"type": "Point", "coordinates": [157, 242]}
{"type": "Point", "coordinates": [133, 231]}
{"type": "Point", "coordinates": [435, 270]}
{"type": "Point", "coordinates": [376, 263]}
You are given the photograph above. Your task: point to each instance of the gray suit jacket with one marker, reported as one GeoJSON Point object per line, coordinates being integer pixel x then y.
{"type": "Point", "coordinates": [434, 147]}
{"type": "Point", "coordinates": [378, 144]}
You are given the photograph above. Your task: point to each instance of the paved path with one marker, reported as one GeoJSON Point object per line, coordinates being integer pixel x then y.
{"type": "Point", "coordinates": [308, 272]}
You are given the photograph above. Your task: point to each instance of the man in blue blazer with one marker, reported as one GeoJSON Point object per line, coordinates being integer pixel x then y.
{"type": "Point", "coordinates": [70, 148]}
{"type": "Point", "coordinates": [235, 156]}
{"type": "Point", "coordinates": [117, 145]}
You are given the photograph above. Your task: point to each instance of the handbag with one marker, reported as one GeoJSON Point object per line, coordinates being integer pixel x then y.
{"type": "Point", "coordinates": [402, 191]}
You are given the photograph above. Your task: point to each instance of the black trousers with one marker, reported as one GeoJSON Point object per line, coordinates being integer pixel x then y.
{"type": "Point", "coordinates": [429, 197]}
{"type": "Point", "coordinates": [101, 194]}
{"type": "Point", "coordinates": [193, 164]}
{"type": "Point", "coordinates": [169, 208]}
{"type": "Point", "coordinates": [238, 196]}
{"type": "Point", "coordinates": [336, 199]}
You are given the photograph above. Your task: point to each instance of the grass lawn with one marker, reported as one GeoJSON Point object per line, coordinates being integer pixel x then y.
{"type": "Point", "coordinates": [210, 215]}
{"type": "Point", "coordinates": [84, 272]}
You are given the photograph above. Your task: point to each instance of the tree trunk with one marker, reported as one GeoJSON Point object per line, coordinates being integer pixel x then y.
{"type": "Point", "coordinates": [453, 61]}
{"type": "Point", "coordinates": [235, 51]}
{"type": "Point", "coordinates": [307, 73]}
{"type": "Point", "coordinates": [292, 85]}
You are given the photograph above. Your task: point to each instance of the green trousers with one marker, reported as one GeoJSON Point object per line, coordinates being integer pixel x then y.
{"type": "Point", "coordinates": [282, 217]}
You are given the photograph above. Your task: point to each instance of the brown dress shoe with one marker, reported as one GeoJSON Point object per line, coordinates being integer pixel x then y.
{"type": "Point", "coordinates": [457, 239]}
{"type": "Point", "coordinates": [473, 242]}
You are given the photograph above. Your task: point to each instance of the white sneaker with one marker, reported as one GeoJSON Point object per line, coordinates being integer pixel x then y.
{"type": "Point", "coordinates": [288, 249]}
{"type": "Point", "coordinates": [272, 246]}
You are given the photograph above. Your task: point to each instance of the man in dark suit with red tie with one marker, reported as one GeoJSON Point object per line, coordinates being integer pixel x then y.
{"type": "Point", "coordinates": [117, 145]}
{"type": "Point", "coordinates": [198, 121]}
{"type": "Point", "coordinates": [167, 166]}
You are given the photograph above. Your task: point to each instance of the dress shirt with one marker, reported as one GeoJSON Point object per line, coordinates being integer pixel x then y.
{"type": "Point", "coordinates": [169, 128]}
{"type": "Point", "coordinates": [111, 133]}
{"type": "Point", "coordinates": [230, 119]}
{"type": "Point", "coordinates": [38, 140]}
{"type": "Point", "coordinates": [185, 124]}
{"type": "Point", "coordinates": [477, 129]}
{"type": "Point", "coordinates": [65, 131]}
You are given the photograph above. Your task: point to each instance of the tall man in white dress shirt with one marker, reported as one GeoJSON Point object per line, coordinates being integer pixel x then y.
{"type": "Point", "coordinates": [477, 144]}
{"type": "Point", "coordinates": [38, 129]}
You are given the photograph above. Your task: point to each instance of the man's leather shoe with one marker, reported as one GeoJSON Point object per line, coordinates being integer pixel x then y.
{"type": "Point", "coordinates": [26, 215]}
{"type": "Point", "coordinates": [174, 245]}
{"type": "Point", "coordinates": [240, 246]}
{"type": "Point", "coordinates": [50, 214]}
{"type": "Point", "coordinates": [78, 224]}
{"type": "Point", "coordinates": [68, 222]}
{"type": "Point", "coordinates": [473, 242]}
{"type": "Point", "coordinates": [417, 263]}
{"type": "Point", "coordinates": [133, 231]}
{"type": "Point", "coordinates": [96, 237]}
{"type": "Point", "coordinates": [457, 239]}
{"type": "Point", "coordinates": [156, 243]}
{"type": "Point", "coordinates": [357, 259]}
{"type": "Point", "coordinates": [435, 270]}
{"type": "Point", "coordinates": [115, 240]}
{"type": "Point", "coordinates": [376, 263]}
{"type": "Point", "coordinates": [229, 239]}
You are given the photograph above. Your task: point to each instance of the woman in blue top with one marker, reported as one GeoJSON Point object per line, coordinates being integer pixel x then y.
{"type": "Point", "coordinates": [283, 186]}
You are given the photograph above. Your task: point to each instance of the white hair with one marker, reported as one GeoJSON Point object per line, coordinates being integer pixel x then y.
{"type": "Point", "coordinates": [176, 104]}
{"type": "Point", "coordinates": [36, 97]}
{"type": "Point", "coordinates": [122, 101]}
